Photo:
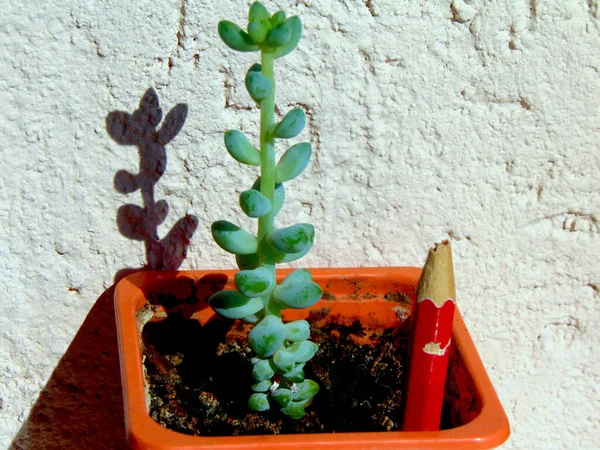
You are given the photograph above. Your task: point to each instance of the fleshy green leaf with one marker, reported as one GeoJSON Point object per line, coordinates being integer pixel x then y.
{"type": "Point", "coordinates": [254, 283]}
{"type": "Point", "coordinates": [258, 402]}
{"type": "Point", "coordinates": [235, 37]}
{"type": "Point", "coordinates": [278, 18]}
{"type": "Point", "coordinates": [259, 87]}
{"type": "Point", "coordinates": [293, 162]}
{"type": "Point", "coordinates": [253, 318]}
{"type": "Point", "coordinates": [296, 375]}
{"type": "Point", "coordinates": [294, 256]}
{"type": "Point", "coordinates": [282, 396]}
{"type": "Point", "coordinates": [254, 204]}
{"type": "Point", "coordinates": [262, 370]}
{"type": "Point", "coordinates": [267, 336]}
{"type": "Point", "coordinates": [258, 12]}
{"type": "Point", "coordinates": [233, 305]}
{"type": "Point", "coordinates": [261, 386]}
{"type": "Point", "coordinates": [302, 294]}
{"type": "Point", "coordinates": [297, 331]}
{"type": "Point", "coordinates": [295, 26]}
{"type": "Point", "coordinates": [292, 239]}
{"type": "Point", "coordinates": [305, 403]}
{"type": "Point", "coordinates": [297, 276]}
{"type": "Point", "coordinates": [306, 390]}
{"type": "Point", "coordinates": [257, 31]}
{"type": "Point", "coordinates": [233, 239]}
{"type": "Point", "coordinates": [291, 125]}
{"type": "Point", "coordinates": [256, 67]}
{"type": "Point", "coordinates": [294, 410]}
{"type": "Point", "coordinates": [283, 361]}
{"type": "Point", "coordinates": [240, 148]}
{"type": "Point", "coordinates": [278, 198]}
{"type": "Point", "coordinates": [279, 35]}
{"type": "Point", "coordinates": [303, 351]}
{"type": "Point", "coordinates": [247, 262]}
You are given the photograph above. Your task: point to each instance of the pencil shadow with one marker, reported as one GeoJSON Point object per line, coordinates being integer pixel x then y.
{"type": "Point", "coordinates": [81, 406]}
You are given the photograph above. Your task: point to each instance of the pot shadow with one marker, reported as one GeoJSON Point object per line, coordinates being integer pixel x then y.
{"type": "Point", "coordinates": [81, 406]}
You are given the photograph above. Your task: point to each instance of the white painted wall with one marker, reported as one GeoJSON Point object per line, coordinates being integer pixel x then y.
{"type": "Point", "coordinates": [474, 120]}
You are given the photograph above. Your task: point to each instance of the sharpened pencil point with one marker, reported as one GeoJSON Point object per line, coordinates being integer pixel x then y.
{"type": "Point", "coordinates": [437, 280]}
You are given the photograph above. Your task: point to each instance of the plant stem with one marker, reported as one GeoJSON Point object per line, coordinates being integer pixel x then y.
{"type": "Point", "coordinates": [267, 147]}
{"type": "Point", "coordinates": [267, 176]}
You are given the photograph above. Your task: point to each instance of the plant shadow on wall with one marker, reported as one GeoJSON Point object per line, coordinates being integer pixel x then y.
{"type": "Point", "coordinates": [81, 406]}
{"type": "Point", "coordinates": [141, 222]}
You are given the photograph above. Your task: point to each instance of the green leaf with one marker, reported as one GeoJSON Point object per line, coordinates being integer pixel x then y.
{"type": "Point", "coordinates": [297, 331]}
{"type": "Point", "coordinates": [240, 148]}
{"type": "Point", "coordinates": [305, 403]}
{"type": "Point", "coordinates": [235, 37]}
{"type": "Point", "coordinates": [262, 370]}
{"type": "Point", "coordinates": [283, 361]}
{"type": "Point", "coordinates": [295, 26]}
{"type": "Point", "coordinates": [256, 67]}
{"type": "Point", "coordinates": [278, 18]}
{"type": "Point", "coordinates": [248, 262]}
{"type": "Point", "coordinates": [303, 351]}
{"type": "Point", "coordinates": [296, 375]}
{"type": "Point", "coordinates": [259, 87]}
{"type": "Point", "coordinates": [261, 386]}
{"type": "Point", "coordinates": [278, 198]}
{"type": "Point", "coordinates": [279, 35]}
{"type": "Point", "coordinates": [293, 162]}
{"type": "Point", "coordinates": [294, 256]}
{"type": "Point", "coordinates": [233, 305]}
{"type": "Point", "coordinates": [257, 31]}
{"type": "Point", "coordinates": [306, 390]}
{"type": "Point", "coordinates": [297, 276]}
{"type": "Point", "coordinates": [291, 125]}
{"type": "Point", "coordinates": [254, 283]}
{"type": "Point", "coordinates": [259, 402]}
{"type": "Point", "coordinates": [267, 336]}
{"type": "Point", "coordinates": [233, 239]}
{"type": "Point", "coordinates": [253, 318]}
{"type": "Point", "coordinates": [294, 410]}
{"type": "Point", "coordinates": [292, 239]}
{"type": "Point", "coordinates": [254, 204]}
{"type": "Point", "coordinates": [298, 295]}
{"type": "Point", "coordinates": [282, 396]}
{"type": "Point", "coordinates": [258, 12]}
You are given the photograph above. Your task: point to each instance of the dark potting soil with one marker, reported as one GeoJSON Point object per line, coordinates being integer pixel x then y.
{"type": "Point", "coordinates": [199, 379]}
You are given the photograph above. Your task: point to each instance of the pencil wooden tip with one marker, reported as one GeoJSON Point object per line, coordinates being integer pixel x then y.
{"type": "Point", "coordinates": [437, 279]}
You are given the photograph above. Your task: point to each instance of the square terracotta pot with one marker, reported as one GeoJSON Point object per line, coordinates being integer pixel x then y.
{"type": "Point", "coordinates": [471, 406]}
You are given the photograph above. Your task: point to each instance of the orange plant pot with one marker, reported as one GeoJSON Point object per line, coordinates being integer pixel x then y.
{"type": "Point", "coordinates": [471, 404]}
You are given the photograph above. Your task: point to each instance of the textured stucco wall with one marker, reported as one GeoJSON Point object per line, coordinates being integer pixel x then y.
{"type": "Point", "coordinates": [473, 120]}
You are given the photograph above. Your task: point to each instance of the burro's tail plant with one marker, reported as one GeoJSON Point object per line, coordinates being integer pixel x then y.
{"type": "Point", "coordinates": [282, 349]}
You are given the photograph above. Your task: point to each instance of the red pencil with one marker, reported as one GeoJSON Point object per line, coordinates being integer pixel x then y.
{"type": "Point", "coordinates": [431, 340]}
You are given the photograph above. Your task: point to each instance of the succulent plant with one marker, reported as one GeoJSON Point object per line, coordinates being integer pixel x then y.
{"type": "Point", "coordinates": [282, 349]}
